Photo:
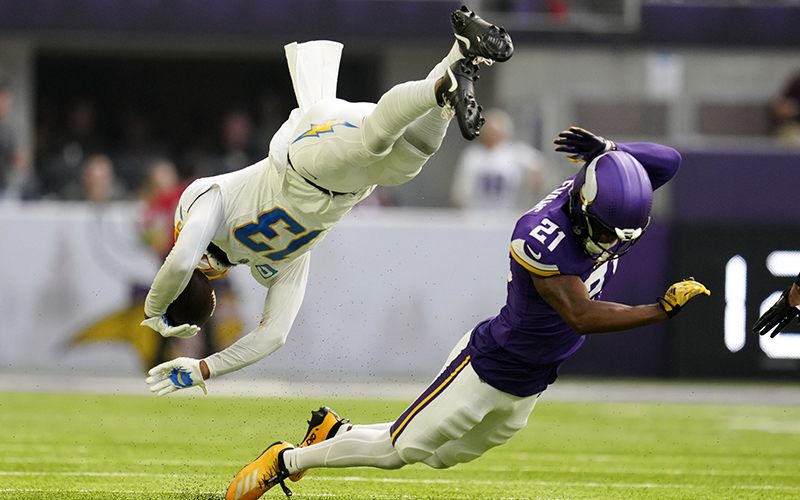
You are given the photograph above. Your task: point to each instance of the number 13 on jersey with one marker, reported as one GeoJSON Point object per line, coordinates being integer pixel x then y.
{"type": "Point", "coordinates": [248, 234]}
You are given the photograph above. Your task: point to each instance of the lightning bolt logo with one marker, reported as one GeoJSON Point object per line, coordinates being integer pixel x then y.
{"type": "Point", "coordinates": [180, 378]}
{"type": "Point", "coordinates": [318, 129]}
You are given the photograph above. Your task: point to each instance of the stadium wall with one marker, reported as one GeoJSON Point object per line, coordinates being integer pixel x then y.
{"type": "Point", "coordinates": [391, 289]}
{"type": "Point", "coordinates": [389, 292]}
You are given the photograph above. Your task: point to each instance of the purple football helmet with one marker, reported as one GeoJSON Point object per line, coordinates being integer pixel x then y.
{"type": "Point", "coordinates": [610, 202]}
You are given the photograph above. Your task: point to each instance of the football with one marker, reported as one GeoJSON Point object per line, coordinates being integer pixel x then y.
{"type": "Point", "coordinates": [195, 304]}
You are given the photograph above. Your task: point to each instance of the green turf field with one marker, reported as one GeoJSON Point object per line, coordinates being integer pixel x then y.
{"type": "Point", "coordinates": [76, 446]}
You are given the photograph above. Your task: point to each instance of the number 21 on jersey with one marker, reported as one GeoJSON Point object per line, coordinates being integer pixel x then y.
{"type": "Point", "coordinates": [545, 231]}
{"type": "Point", "coordinates": [253, 233]}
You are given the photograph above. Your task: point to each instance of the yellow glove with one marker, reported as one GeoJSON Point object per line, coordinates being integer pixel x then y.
{"type": "Point", "coordinates": [679, 294]}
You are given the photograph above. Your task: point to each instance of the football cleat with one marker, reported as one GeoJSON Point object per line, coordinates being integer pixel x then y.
{"type": "Point", "coordinates": [457, 93]}
{"type": "Point", "coordinates": [480, 41]}
{"type": "Point", "coordinates": [261, 474]}
{"type": "Point", "coordinates": [324, 424]}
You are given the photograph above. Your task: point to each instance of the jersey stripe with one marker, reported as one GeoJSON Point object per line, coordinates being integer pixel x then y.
{"type": "Point", "coordinates": [534, 266]}
{"type": "Point", "coordinates": [442, 381]}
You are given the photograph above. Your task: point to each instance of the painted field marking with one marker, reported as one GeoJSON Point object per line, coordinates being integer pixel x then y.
{"type": "Point", "coordinates": [553, 483]}
{"type": "Point", "coordinates": [589, 484]}
{"type": "Point", "coordinates": [633, 471]}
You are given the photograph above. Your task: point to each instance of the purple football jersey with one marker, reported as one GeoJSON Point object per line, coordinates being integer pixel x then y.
{"type": "Point", "coordinates": [520, 350]}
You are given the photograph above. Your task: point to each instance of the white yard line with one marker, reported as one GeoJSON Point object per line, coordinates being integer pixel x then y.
{"type": "Point", "coordinates": [582, 484]}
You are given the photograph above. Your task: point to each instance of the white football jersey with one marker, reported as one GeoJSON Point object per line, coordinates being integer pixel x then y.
{"type": "Point", "coordinates": [271, 216]}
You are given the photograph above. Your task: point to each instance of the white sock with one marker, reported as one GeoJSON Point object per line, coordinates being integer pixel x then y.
{"type": "Point", "coordinates": [439, 70]}
{"type": "Point", "coordinates": [361, 446]}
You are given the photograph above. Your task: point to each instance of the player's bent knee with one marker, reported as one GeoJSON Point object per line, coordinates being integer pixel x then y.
{"type": "Point", "coordinates": [461, 457]}
{"type": "Point", "coordinates": [400, 166]}
{"type": "Point", "coordinates": [412, 455]}
{"type": "Point", "coordinates": [435, 462]}
{"type": "Point", "coordinates": [425, 146]}
{"type": "Point", "coordinates": [392, 462]}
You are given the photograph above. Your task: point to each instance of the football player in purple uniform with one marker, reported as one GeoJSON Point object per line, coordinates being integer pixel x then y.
{"type": "Point", "coordinates": [563, 252]}
{"type": "Point", "coordinates": [778, 317]}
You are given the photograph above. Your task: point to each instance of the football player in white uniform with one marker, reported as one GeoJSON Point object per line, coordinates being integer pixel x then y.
{"type": "Point", "coordinates": [329, 155]}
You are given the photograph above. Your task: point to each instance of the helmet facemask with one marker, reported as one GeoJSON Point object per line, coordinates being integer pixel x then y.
{"type": "Point", "coordinates": [603, 243]}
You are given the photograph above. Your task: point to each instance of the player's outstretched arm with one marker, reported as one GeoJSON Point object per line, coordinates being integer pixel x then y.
{"type": "Point", "coordinates": [778, 317]}
{"type": "Point", "coordinates": [568, 296]}
{"type": "Point", "coordinates": [280, 310]}
{"type": "Point", "coordinates": [200, 224]}
{"type": "Point", "coordinates": [660, 162]}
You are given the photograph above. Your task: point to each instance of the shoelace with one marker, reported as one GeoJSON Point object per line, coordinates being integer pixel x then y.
{"type": "Point", "coordinates": [280, 478]}
{"type": "Point", "coordinates": [286, 489]}
{"type": "Point", "coordinates": [448, 112]}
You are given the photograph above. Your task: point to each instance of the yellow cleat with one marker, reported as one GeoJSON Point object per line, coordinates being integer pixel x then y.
{"type": "Point", "coordinates": [261, 475]}
{"type": "Point", "coordinates": [324, 424]}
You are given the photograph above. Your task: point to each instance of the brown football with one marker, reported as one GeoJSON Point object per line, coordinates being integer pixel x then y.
{"type": "Point", "coordinates": [195, 304]}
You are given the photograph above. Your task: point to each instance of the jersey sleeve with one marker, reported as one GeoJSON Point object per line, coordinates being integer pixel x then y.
{"type": "Point", "coordinates": [660, 162]}
{"type": "Point", "coordinates": [200, 224]}
{"type": "Point", "coordinates": [280, 310]}
{"type": "Point", "coordinates": [533, 257]}
{"type": "Point", "coordinates": [543, 244]}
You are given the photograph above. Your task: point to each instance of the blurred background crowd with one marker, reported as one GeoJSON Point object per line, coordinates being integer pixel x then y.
{"type": "Point", "coordinates": [106, 107]}
{"type": "Point", "coordinates": [116, 144]}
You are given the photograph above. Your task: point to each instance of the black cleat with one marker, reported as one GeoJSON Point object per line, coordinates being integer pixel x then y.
{"type": "Point", "coordinates": [457, 92]}
{"type": "Point", "coordinates": [480, 41]}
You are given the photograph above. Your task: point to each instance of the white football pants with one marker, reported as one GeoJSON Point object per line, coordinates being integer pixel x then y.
{"type": "Point", "coordinates": [456, 419]}
{"type": "Point", "coordinates": [344, 146]}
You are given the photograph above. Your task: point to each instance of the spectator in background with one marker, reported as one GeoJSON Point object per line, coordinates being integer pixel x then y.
{"type": "Point", "coordinates": [498, 172]}
{"type": "Point", "coordinates": [138, 152]}
{"type": "Point", "coordinates": [271, 115]}
{"type": "Point", "coordinates": [786, 113]}
{"type": "Point", "coordinates": [236, 151]}
{"type": "Point", "coordinates": [14, 164]}
{"type": "Point", "coordinates": [160, 192]}
{"type": "Point", "coordinates": [60, 169]}
{"type": "Point", "coordinates": [98, 182]}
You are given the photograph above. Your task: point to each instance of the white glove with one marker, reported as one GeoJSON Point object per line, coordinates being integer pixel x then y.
{"type": "Point", "coordinates": [162, 326]}
{"type": "Point", "coordinates": [171, 376]}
